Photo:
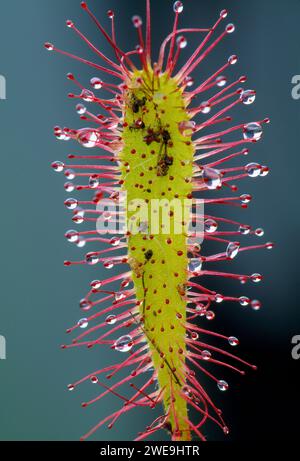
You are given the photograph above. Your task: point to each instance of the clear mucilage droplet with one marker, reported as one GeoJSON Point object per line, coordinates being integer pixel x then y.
{"type": "Point", "coordinates": [96, 83]}
{"type": "Point", "coordinates": [72, 236]}
{"type": "Point", "coordinates": [222, 385]}
{"type": "Point", "coordinates": [221, 81]}
{"type": "Point", "coordinates": [81, 242]}
{"type": "Point", "coordinates": [206, 355]}
{"type": "Point", "coordinates": [264, 171]}
{"type": "Point", "coordinates": [71, 203]}
{"type": "Point", "coordinates": [92, 258]}
{"type": "Point", "coordinates": [259, 232]}
{"type": "Point", "coordinates": [232, 249]}
{"type": "Point", "coordinates": [248, 97]}
{"type": "Point", "coordinates": [246, 198]}
{"type": "Point", "coordinates": [205, 107]}
{"type": "Point", "coordinates": [137, 21]}
{"type": "Point", "coordinates": [115, 241]}
{"type": "Point", "coordinates": [256, 278]}
{"type": "Point", "coordinates": [80, 109]}
{"type": "Point", "coordinates": [85, 305]}
{"type": "Point", "coordinates": [126, 282]}
{"type": "Point", "coordinates": [111, 319]}
{"type": "Point", "coordinates": [233, 341]}
{"type": "Point", "coordinates": [88, 138]}
{"type": "Point", "coordinates": [244, 301]}
{"type": "Point", "coordinates": [139, 49]}
{"type": "Point", "coordinates": [87, 95]}
{"type": "Point", "coordinates": [119, 296]}
{"type": "Point", "coordinates": [94, 182]}
{"type": "Point", "coordinates": [96, 284]}
{"type": "Point", "coordinates": [58, 166]}
{"type": "Point", "coordinates": [78, 218]}
{"type": "Point", "coordinates": [108, 264]}
{"type": "Point", "coordinates": [69, 187]}
{"type": "Point", "coordinates": [49, 46]}
{"type": "Point", "coordinates": [255, 304]}
{"type": "Point", "coordinates": [232, 59]}
{"type": "Point", "coordinates": [212, 178]}
{"type": "Point", "coordinates": [253, 169]}
{"type": "Point", "coordinates": [188, 81]}
{"type": "Point", "coordinates": [70, 174]}
{"type": "Point", "coordinates": [61, 134]}
{"type": "Point", "coordinates": [124, 344]}
{"type": "Point", "coordinates": [230, 28]}
{"type": "Point", "coordinates": [83, 323]}
{"type": "Point", "coordinates": [195, 265]}
{"type": "Point", "coordinates": [178, 7]}
{"type": "Point", "coordinates": [219, 298]}
{"type": "Point", "coordinates": [181, 42]}
{"type": "Point", "coordinates": [252, 131]}
{"type": "Point", "coordinates": [210, 315]}
{"type": "Point", "coordinates": [244, 229]}
{"type": "Point", "coordinates": [210, 226]}
{"type": "Point", "coordinates": [201, 310]}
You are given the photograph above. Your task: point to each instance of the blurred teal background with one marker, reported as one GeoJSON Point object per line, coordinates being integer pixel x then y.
{"type": "Point", "coordinates": [39, 297]}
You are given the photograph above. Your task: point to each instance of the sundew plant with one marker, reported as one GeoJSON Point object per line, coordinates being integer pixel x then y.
{"type": "Point", "coordinates": [161, 143]}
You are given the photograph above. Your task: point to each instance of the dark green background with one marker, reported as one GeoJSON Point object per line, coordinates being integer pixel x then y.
{"type": "Point", "coordinates": [39, 297]}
